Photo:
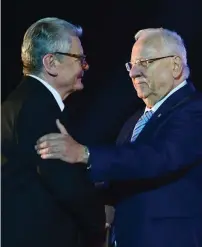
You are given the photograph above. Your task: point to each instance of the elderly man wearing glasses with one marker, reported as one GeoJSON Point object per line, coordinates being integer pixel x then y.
{"type": "Point", "coordinates": [46, 203]}
{"type": "Point", "coordinates": [154, 172]}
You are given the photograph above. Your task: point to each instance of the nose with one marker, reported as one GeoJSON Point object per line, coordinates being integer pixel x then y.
{"type": "Point", "coordinates": [85, 66]}
{"type": "Point", "coordinates": [135, 71]}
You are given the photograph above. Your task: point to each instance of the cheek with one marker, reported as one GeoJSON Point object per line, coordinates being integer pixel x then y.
{"type": "Point", "coordinates": [151, 77]}
{"type": "Point", "coordinates": [161, 83]}
{"type": "Point", "coordinates": [158, 78]}
{"type": "Point", "coordinates": [76, 69]}
{"type": "Point", "coordinates": [69, 72]}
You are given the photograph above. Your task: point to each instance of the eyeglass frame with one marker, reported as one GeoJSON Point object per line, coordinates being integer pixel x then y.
{"type": "Point", "coordinates": [148, 62]}
{"type": "Point", "coordinates": [81, 58]}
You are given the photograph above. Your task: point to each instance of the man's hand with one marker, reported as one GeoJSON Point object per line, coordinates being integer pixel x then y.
{"type": "Point", "coordinates": [61, 146]}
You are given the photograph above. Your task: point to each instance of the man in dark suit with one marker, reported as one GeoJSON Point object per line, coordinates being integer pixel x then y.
{"type": "Point", "coordinates": [46, 203]}
{"type": "Point", "coordinates": [155, 171]}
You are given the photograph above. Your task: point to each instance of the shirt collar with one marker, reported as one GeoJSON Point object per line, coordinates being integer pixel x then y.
{"type": "Point", "coordinates": [54, 92]}
{"type": "Point", "coordinates": [159, 103]}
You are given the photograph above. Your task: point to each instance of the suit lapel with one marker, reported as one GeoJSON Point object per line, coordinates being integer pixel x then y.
{"type": "Point", "coordinates": [174, 101]}
{"type": "Point", "coordinates": [127, 130]}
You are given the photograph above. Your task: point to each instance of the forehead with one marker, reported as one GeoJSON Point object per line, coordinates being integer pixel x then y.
{"type": "Point", "coordinates": [146, 48]}
{"type": "Point", "coordinates": [76, 46]}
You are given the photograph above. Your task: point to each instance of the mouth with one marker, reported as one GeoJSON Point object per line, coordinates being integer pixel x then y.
{"type": "Point", "coordinates": [80, 76]}
{"type": "Point", "coordinates": [139, 81]}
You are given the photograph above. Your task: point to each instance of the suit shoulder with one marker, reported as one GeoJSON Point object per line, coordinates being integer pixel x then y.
{"type": "Point", "coordinates": [19, 95]}
{"type": "Point", "coordinates": [30, 94]}
{"type": "Point", "coordinates": [196, 101]}
{"type": "Point", "coordinates": [190, 109]}
{"type": "Point", "coordinates": [27, 96]}
{"type": "Point", "coordinates": [15, 101]}
{"type": "Point", "coordinates": [10, 110]}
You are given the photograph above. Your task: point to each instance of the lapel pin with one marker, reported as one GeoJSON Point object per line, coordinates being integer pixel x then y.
{"type": "Point", "coordinates": [159, 115]}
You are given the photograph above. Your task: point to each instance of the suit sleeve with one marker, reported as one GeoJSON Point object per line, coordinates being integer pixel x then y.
{"type": "Point", "coordinates": [179, 146]}
{"type": "Point", "coordinates": [69, 185]}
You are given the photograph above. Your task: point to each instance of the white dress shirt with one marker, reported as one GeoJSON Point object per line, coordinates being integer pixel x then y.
{"type": "Point", "coordinates": [159, 103]}
{"type": "Point", "coordinates": [54, 92]}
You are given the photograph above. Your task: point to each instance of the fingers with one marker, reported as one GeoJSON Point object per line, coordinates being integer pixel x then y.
{"type": "Point", "coordinates": [49, 146]}
{"type": "Point", "coordinates": [46, 140]}
{"type": "Point", "coordinates": [51, 156]}
{"type": "Point", "coordinates": [49, 137]}
{"type": "Point", "coordinates": [48, 150]}
{"type": "Point", "coordinates": [43, 145]}
{"type": "Point", "coordinates": [50, 153]}
{"type": "Point", "coordinates": [61, 127]}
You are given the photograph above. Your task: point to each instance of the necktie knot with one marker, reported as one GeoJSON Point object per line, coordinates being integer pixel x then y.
{"type": "Point", "coordinates": [148, 114]}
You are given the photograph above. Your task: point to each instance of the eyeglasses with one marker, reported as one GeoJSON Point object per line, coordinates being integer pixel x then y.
{"type": "Point", "coordinates": [144, 62]}
{"type": "Point", "coordinates": [81, 58]}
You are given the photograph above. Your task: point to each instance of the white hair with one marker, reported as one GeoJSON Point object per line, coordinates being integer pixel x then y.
{"type": "Point", "coordinates": [172, 43]}
{"type": "Point", "coordinates": [47, 35]}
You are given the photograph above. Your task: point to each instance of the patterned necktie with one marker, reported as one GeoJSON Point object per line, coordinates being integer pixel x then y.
{"type": "Point", "coordinates": [140, 124]}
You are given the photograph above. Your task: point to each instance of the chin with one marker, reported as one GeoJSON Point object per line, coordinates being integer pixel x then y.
{"type": "Point", "coordinates": [142, 95]}
{"type": "Point", "coordinates": [78, 86]}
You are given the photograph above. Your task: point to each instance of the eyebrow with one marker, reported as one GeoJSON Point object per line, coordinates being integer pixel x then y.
{"type": "Point", "coordinates": [139, 58]}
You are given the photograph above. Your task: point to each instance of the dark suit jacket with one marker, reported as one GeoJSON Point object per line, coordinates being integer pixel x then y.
{"type": "Point", "coordinates": [163, 205]}
{"type": "Point", "coordinates": [57, 207]}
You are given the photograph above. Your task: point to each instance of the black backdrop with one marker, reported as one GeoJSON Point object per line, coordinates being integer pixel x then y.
{"type": "Point", "coordinates": [108, 99]}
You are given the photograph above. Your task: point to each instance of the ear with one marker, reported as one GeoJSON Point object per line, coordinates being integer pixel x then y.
{"type": "Point", "coordinates": [50, 64]}
{"type": "Point", "coordinates": [177, 67]}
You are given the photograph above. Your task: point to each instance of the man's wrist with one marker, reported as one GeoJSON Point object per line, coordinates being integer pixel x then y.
{"type": "Point", "coordinates": [86, 154]}
{"type": "Point", "coordinates": [84, 157]}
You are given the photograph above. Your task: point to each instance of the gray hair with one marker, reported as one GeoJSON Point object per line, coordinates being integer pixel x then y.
{"type": "Point", "coordinates": [45, 36]}
{"type": "Point", "coordinates": [173, 43]}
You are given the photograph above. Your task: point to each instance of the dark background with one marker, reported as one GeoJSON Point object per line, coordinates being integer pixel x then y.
{"type": "Point", "coordinates": [99, 111]}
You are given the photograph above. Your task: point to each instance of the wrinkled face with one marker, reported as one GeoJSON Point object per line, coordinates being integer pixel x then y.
{"type": "Point", "coordinates": [65, 71]}
{"type": "Point", "coordinates": [69, 69]}
{"type": "Point", "coordinates": [152, 80]}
